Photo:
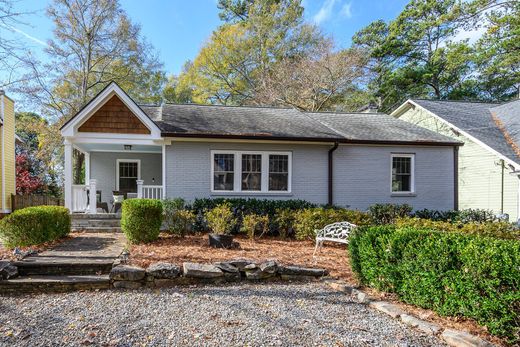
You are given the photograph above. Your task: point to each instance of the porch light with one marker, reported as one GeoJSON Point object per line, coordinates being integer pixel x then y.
{"type": "Point", "coordinates": [128, 147]}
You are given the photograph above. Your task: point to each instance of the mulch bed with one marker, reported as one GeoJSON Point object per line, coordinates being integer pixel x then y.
{"type": "Point", "coordinates": [194, 248]}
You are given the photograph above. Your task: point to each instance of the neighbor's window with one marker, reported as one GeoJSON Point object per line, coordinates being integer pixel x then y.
{"type": "Point", "coordinates": [223, 171]}
{"type": "Point", "coordinates": [251, 171]}
{"type": "Point", "coordinates": [278, 172]}
{"type": "Point", "coordinates": [402, 173]}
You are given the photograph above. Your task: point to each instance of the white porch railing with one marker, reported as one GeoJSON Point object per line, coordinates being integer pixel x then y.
{"type": "Point", "coordinates": [149, 191]}
{"type": "Point", "coordinates": [79, 198]}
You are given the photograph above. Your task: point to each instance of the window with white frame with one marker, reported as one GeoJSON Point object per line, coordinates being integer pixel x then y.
{"type": "Point", "coordinates": [251, 171]}
{"type": "Point", "coordinates": [403, 180]}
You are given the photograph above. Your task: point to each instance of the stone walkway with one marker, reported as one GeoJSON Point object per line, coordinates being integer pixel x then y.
{"type": "Point", "coordinates": [83, 262]}
{"type": "Point", "coordinates": [87, 248]}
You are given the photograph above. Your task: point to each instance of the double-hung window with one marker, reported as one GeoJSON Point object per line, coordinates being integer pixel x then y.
{"type": "Point", "coordinates": [403, 180]}
{"type": "Point", "coordinates": [251, 171]}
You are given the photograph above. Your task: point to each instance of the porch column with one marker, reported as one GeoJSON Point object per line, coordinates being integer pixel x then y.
{"type": "Point", "coordinates": [67, 191]}
{"type": "Point", "coordinates": [140, 189]}
{"type": "Point", "coordinates": [92, 196]}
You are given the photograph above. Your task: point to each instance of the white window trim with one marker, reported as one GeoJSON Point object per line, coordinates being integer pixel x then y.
{"type": "Point", "coordinates": [138, 161]}
{"type": "Point", "coordinates": [237, 183]}
{"type": "Point", "coordinates": [412, 173]}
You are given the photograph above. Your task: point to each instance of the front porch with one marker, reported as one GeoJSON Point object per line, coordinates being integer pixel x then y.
{"type": "Point", "coordinates": [113, 151]}
{"type": "Point", "coordinates": [111, 173]}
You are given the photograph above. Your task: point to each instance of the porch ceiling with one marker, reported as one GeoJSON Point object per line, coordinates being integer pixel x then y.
{"type": "Point", "coordinates": [105, 147]}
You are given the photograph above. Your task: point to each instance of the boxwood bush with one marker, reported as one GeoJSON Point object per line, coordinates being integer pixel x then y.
{"type": "Point", "coordinates": [451, 273]}
{"type": "Point", "coordinates": [34, 225]}
{"type": "Point", "coordinates": [141, 219]}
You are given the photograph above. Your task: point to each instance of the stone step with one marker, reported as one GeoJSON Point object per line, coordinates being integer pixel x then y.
{"type": "Point", "coordinates": [104, 222]}
{"type": "Point", "coordinates": [40, 266]}
{"type": "Point", "coordinates": [65, 283]}
{"type": "Point", "coordinates": [79, 216]}
{"type": "Point", "coordinates": [96, 229]}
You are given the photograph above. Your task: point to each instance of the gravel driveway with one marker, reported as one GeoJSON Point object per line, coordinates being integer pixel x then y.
{"type": "Point", "coordinates": [234, 315]}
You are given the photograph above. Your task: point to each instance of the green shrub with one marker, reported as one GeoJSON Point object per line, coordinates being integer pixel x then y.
{"type": "Point", "coordinates": [242, 207]}
{"type": "Point", "coordinates": [307, 221]}
{"type": "Point", "coordinates": [34, 225]}
{"type": "Point", "coordinates": [177, 218]}
{"type": "Point", "coordinates": [252, 224]}
{"type": "Point", "coordinates": [451, 273]}
{"type": "Point", "coordinates": [463, 216]}
{"type": "Point", "coordinates": [141, 219]}
{"type": "Point", "coordinates": [502, 230]}
{"type": "Point", "coordinates": [284, 221]}
{"type": "Point", "coordinates": [221, 219]}
{"type": "Point", "coordinates": [387, 213]}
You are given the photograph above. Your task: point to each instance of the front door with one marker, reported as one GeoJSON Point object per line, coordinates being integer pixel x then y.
{"type": "Point", "coordinates": [128, 172]}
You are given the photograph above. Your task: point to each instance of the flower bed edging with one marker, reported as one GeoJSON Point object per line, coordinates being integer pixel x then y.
{"type": "Point", "coordinates": [452, 337]}
{"type": "Point", "coordinates": [166, 274]}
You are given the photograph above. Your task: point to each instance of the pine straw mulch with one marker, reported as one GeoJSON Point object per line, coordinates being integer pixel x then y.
{"type": "Point", "coordinates": [333, 257]}
{"type": "Point", "coordinates": [194, 248]}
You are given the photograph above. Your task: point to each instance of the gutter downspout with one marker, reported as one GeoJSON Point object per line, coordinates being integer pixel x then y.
{"type": "Point", "coordinates": [456, 178]}
{"type": "Point", "coordinates": [502, 167]}
{"type": "Point", "coordinates": [331, 174]}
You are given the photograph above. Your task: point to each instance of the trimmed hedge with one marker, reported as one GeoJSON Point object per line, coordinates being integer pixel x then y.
{"type": "Point", "coordinates": [141, 219]}
{"type": "Point", "coordinates": [34, 225]}
{"type": "Point", "coordinates": [501, 230]}
{"type": "Point", "coordinates": [451, 273]}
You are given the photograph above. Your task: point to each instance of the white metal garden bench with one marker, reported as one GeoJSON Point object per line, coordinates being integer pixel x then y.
{"type": "Point", "coordinates": [335, 232]}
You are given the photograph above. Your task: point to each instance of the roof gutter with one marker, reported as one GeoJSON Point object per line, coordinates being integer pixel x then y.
{"type": "Point", "coordinates": [331, 173]}
{"type": "Point", "coordinates": [310, 139]}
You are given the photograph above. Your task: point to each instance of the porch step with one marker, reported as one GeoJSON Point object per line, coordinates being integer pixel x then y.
{"type": "Point", "coordinates": [93, 223]}
{"type": "Point", "coordinates": [64, 283]}
{"type": "Point", "coordinates": [38, 266]}
{"type": "Point", "coordinates": [95, 216]}
{"type": "Point", "coordinates": [96, 229]}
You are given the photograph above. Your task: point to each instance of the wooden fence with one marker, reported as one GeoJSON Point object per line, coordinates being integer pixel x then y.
{"type": "Point", "coordinates": [21, 201]}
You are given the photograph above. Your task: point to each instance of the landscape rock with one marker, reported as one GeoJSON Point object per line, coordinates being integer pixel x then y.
{"type": "Point", "coordinates": [7, 270]}
{"type": "Point", "coordinates": [390, 309]}
{"type": "Point", "coordinates": [202, 270]}
{"type": "Point", "coordinates": [250, 267]}
{"type": "Point", "coordinates": [240, 264]}
{"type": "Point", "coordinates": [298, 278]}
{"type": "Point", "coordinates": [127, 284]}
{"type": "Point", "coordinates": [424, 326]}
{"type": "Point", "coordinates": [269, 267]}
{"type": "Point", "coordinates": [127, 273]}
{"type": "Point", "coordinates": [462, 339]}
{"type": "Point", "coordinates": [339, 286]}
{"type": "Point", "coordinates": [360, 296]}
{"type": "Point", "coordinates": [302, 271]}
{"type": "Point", "coordinates": [163, 271]}
{"type": "Point", "coordinates": [227, 267]}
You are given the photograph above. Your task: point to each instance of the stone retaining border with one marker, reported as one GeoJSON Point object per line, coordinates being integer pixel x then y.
{"type": "Point", "coordinates": [452, 337]}
{"type": "Point", "coordinates": [166, 274]}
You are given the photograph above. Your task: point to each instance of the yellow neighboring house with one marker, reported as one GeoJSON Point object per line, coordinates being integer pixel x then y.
{"type": "Point", "coordinates": [7, 153]}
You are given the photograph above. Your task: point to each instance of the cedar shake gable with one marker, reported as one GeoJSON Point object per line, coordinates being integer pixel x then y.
{"type": "Point", "coordinates": [114, 117]}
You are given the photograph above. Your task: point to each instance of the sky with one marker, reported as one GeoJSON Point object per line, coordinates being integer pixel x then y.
{"type": "Point", "coordinates": [179, 28]}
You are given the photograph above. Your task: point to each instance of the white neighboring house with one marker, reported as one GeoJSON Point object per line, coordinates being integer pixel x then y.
{"type": "Point", "coordinates": [200, 151]}
{"type": "Point", "coordinates": [489, 161]}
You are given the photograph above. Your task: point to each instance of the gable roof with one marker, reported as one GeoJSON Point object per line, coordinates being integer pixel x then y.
{"type": "Point", "coordinates": [211, 121]}
{"type": "Point", "coordinates": [475, 120]}
{"type": "Point", "coordinates": [112, 89]}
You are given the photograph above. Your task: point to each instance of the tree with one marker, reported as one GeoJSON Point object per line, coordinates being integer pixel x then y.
{"type": "Point", "coordinates": [27, 181]}
{"type": "Point", "coordinates": [313, 83]}
{"type": "Point", "coordinates": [41, 151]}
{"type": "Point", "coordinates": [178, 89]}
{"type": "Point", "coordinates": [241, 52]}
{"type": "Point", "coordinates": [418, 55]}
{"type": "Point", "coordinates": [12, 51]}
{"type": "Point", "coordinates": [498, 50]}
{"type": "Point", "coordinates": [94, 43]}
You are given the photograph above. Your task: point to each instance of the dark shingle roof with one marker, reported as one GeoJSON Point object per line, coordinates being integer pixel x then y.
{"type": "Point", "coordinates": [475, 118]}
{"type": "Point", "coordinates": [267, 122]}
{"type": "Point", "coordinates": [376, 127]}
